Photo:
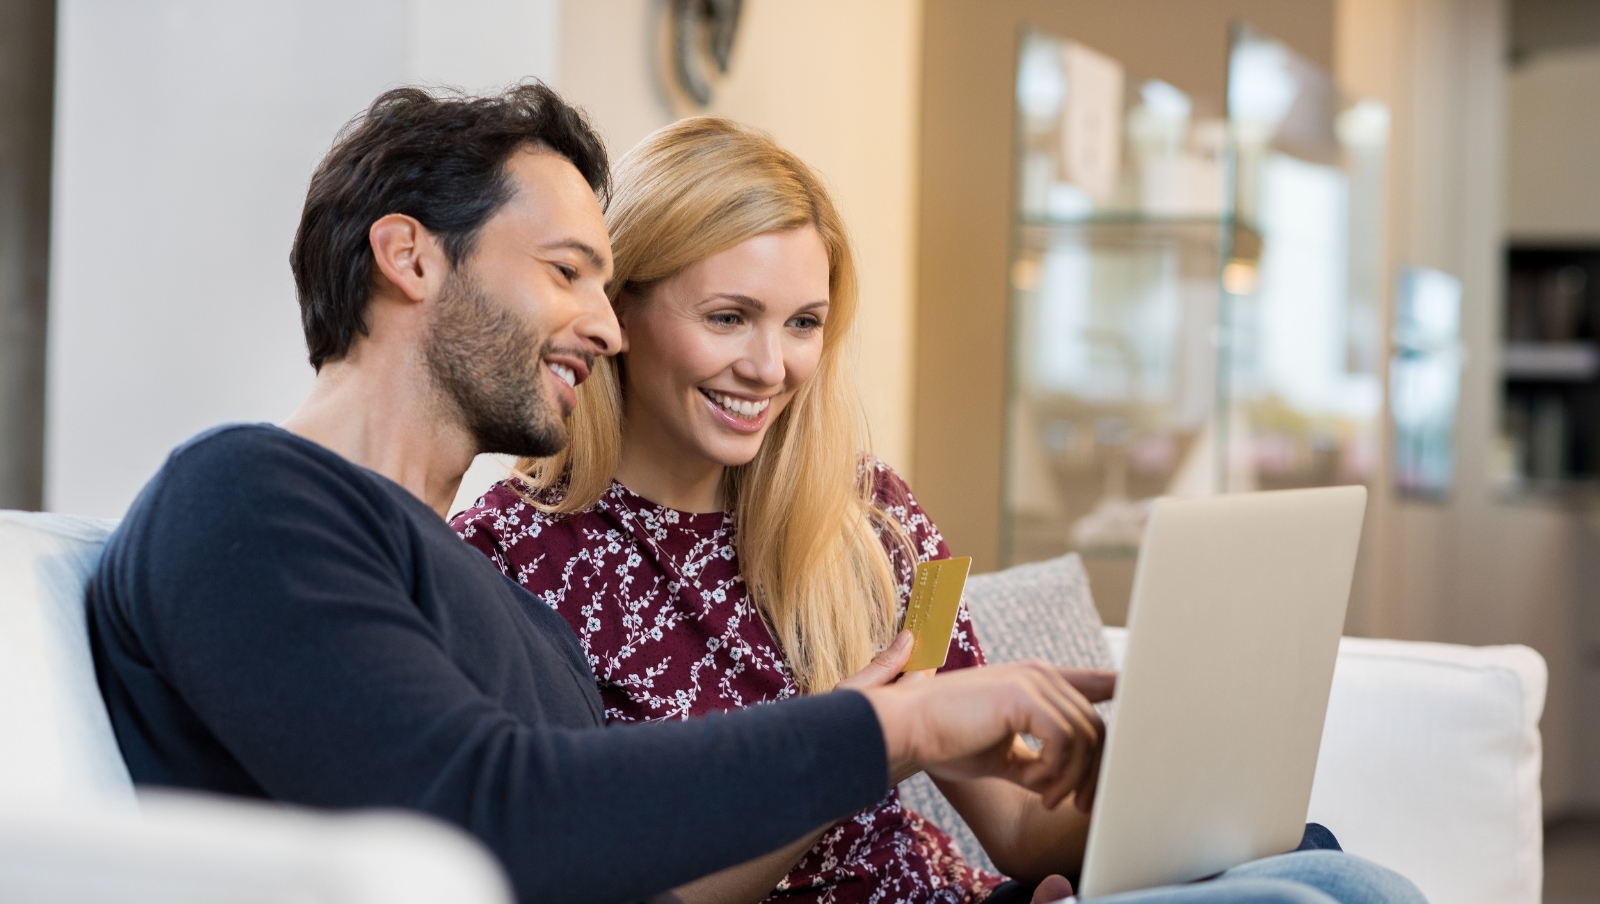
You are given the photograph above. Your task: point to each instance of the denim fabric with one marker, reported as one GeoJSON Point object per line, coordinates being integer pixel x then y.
{"type": "Point", "coordinates": [1318, 872]}
{"type": "Point", "coordinates": [1300, 877]}
{"type": "Point", "coordinates": [1318, 838]}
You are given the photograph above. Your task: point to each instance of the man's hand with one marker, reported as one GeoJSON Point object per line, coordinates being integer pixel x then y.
{"type": "Point", "coordinates": [885, 669]}
{"type": "Point", "coordinates": [966, 724]}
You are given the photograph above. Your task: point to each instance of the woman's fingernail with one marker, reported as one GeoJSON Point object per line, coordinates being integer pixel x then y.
{"type": "Point", "coordinates": [902, 639]}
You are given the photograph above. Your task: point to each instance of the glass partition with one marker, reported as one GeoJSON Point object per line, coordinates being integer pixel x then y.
{"type": "Point", "coordinates": [1195, 298]}
{"type": "Point", "coordinates": [1302, 285]}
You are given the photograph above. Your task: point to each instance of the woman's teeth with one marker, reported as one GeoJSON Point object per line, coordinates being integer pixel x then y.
{"type": "Point", "coordinates": [567, 374]}
{"type": "Point", "coordinates": [739, 407]}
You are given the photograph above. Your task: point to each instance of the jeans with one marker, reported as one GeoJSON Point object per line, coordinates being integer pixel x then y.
{"type": "Point", "coordinates": [1299, 877]}
{"type": "Point", "coordinates": [1319, 872]}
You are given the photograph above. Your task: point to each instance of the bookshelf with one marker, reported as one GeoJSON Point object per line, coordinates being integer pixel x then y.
{"type": "Point", "coordinates": [1550, 368]}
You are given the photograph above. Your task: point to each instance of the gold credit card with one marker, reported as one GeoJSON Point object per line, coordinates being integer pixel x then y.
{"type": "Point", "coordinates": [931, 614]}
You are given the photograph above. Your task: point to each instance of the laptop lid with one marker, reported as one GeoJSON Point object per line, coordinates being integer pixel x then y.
{"type": "Point", "coordinates": [1233, 628]}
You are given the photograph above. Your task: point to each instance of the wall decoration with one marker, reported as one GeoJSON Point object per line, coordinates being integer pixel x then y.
{"type": "Point", "coordinates": [702, 38]}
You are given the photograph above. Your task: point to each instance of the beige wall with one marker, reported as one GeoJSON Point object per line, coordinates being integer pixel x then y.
{"type": "Point", "coordinates": [1553, 158]}
{"type": "Point", "coordinates": [836, 82]}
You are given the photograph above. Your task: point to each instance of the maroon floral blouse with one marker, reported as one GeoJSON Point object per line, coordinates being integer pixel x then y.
{"type": "Point", "coordinates": [655, 597]}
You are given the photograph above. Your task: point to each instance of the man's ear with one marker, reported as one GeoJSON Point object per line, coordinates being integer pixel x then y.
{"type": "Point", "coordinates": [408, 256]}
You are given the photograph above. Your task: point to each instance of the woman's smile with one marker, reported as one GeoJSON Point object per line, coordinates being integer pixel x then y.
{"type": "Point", "coordinates": [739, 412]}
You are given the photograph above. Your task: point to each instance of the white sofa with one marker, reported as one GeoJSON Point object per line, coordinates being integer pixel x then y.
{"type": "Point", "coordinates": [1430, 764]}
{"type": "Point", "coordinates": [71, 829]}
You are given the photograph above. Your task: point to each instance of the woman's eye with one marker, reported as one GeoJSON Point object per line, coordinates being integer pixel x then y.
{"type": "Point", "coordinates": [805, 322]}
{"type": "Point", "coordinates": [726, 319]}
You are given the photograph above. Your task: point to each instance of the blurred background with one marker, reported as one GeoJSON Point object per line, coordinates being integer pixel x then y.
{"type": "Point", "coordinates": [1108, 252]}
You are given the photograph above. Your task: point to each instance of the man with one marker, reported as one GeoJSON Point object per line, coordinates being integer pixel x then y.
{"type": "Point", "coordinates": [285, 614]}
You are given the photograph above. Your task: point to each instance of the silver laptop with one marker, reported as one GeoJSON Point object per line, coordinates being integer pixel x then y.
{"type": "Point", "coordinates": [1233, 628]}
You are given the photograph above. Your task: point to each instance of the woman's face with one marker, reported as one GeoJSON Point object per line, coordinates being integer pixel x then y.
{"type": "Point", "coordinates": [713, 354]}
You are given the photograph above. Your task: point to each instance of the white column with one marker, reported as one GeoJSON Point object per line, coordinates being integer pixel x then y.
{"type": "Point", "coordinates": [186, 132]}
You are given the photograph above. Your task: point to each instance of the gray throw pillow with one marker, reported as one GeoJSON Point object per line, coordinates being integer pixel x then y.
{"type": "Point", "coordinates": [1038, 611]}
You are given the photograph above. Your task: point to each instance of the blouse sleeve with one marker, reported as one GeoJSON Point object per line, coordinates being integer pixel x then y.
{"type": "Point", "coordinates": [894, 499]}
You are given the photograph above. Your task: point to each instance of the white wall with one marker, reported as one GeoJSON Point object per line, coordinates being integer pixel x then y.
{"type": "Point", "coordinates": [1553, 165]}
{"type": "Point", "coordinates": [186, 132]}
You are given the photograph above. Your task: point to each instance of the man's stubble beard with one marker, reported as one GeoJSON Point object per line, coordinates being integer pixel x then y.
{"type": "Point", "coordinates": [479, 358]}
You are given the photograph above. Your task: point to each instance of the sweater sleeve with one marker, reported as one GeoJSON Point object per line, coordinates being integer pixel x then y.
{"type": "Point", "coordinates": [277, 607]}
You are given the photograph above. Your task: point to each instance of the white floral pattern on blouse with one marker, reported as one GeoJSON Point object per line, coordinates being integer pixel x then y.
{"type": "Point", "coordinates": [655, 598]}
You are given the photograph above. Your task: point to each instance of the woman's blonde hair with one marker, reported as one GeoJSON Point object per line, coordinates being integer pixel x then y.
{"type": "Point", "coordinates": [803, 513]}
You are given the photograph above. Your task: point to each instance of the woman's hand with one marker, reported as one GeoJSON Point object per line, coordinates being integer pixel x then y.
{"type": "Point", "coordinates": [884, 667]}
{"type": "Point", "coordinates": [1026, 841]}
{"type": "Point", "coordinates": [1053, 888]}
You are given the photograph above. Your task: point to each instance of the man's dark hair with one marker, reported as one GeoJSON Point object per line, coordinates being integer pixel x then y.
{"type": "Point", "coordinates": [438, 157]}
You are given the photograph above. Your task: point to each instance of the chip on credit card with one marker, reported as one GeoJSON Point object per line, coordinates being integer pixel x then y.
{"type": "Point", "coordinates": [931, 614]}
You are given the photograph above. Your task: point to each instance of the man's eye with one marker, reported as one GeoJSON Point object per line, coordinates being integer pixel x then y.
{"type": "Point", "coordinates": [571, 273]}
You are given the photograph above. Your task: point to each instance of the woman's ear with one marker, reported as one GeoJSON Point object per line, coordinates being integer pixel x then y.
{"type": "Point", "coordinates": [622, 307]}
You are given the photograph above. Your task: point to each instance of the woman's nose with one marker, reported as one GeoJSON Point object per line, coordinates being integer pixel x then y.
{"type": "Point", "coordinates": [762, 362]}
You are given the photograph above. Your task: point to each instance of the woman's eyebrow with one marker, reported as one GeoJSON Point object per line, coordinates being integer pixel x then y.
{"type": "Point", "coordinates": [759, 305]}
{"type": "Point", "coordinates": [736, 298]}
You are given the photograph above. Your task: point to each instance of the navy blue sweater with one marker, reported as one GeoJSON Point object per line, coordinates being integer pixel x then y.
{"type": "Point", "coordinates": [273, 621]}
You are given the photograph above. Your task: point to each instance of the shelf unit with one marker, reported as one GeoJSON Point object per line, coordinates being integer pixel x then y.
{"type": "Point", "coordinates": [1550, 369]}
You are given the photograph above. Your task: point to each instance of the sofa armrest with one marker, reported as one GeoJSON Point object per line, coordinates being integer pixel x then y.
{"type": "Point", "coordinates": [1430, 765]}
{"type": "Point", "coordinates": [193, 849]}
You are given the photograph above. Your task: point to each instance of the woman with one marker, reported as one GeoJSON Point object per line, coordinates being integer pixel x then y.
{"type": "Point", "coordinates": [730, 414]}
{"type": "Point", "coordinates": [713, 533]}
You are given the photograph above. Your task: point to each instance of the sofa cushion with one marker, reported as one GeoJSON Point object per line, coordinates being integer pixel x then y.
{"type": "Point", "coordinates": [1430, 765]}
{"type": "Point", "coordinates": [1038, 611]}
{"type": "Point", "coordinates": [56, 742]}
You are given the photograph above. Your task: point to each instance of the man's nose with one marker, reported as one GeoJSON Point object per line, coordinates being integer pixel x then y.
{"type": "Point", "coordinates": [597, 324]}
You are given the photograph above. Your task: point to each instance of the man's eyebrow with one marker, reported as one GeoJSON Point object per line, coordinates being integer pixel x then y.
{"type": "Point", "coordinates": [583, 248]}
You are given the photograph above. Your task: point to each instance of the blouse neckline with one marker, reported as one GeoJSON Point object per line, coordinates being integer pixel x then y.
{"type": "Point", "coordinates": [699, 521]}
